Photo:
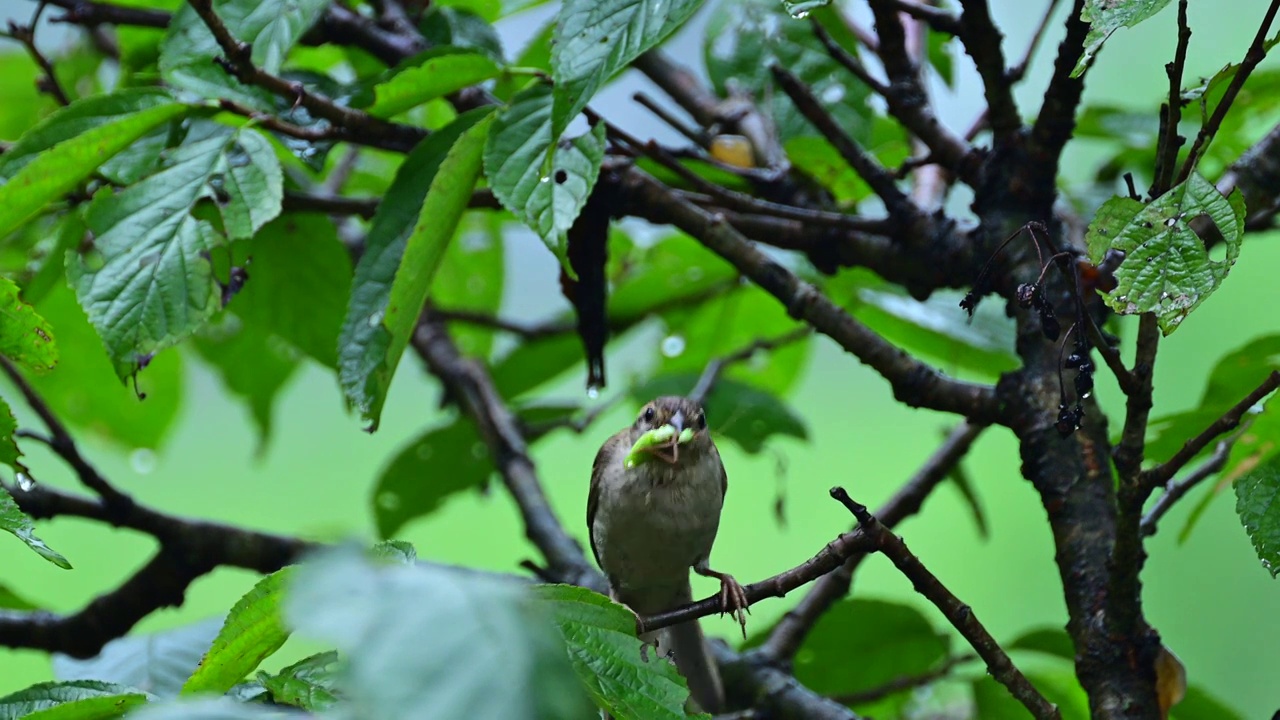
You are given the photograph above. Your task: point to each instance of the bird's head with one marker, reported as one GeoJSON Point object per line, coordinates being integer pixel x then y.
{"type": "Point", "coordinates": [669, 428]}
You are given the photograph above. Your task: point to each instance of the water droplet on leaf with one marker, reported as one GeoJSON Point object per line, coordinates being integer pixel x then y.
{"type": "Point", "coordinates": [25, 482]}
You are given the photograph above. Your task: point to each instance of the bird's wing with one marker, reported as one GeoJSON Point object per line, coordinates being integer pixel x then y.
{"type": "Point", "coordinates": [607, 452]}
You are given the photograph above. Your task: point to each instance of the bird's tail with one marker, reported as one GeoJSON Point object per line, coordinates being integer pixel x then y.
{"type": "Point", "coordinates": [693, 659]}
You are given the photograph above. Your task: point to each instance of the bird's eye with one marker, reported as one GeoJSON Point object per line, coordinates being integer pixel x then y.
{"type": "Point", "coordinates": [648, 414]}
{"type": "Point", "coordinates": [702, 421]}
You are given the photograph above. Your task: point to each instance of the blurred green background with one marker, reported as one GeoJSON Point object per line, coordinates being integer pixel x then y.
{"type": "Point", "coordinates": [1209, 597]}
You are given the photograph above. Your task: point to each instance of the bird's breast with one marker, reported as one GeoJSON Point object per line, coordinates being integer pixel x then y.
{"type": "Point", "coordinates": [653, 524]}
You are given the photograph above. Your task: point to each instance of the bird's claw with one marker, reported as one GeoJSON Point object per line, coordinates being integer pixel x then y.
{"type": "Point", "coordinates": [733, 600]}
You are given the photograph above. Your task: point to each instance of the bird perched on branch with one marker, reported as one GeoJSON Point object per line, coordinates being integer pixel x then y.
{"type": "Point", "coordinates": [657, 488]}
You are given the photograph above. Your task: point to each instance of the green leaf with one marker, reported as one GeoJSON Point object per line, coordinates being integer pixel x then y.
{"type": "Point", "coordinates": [402, 253]}
{"type": "Point", "coordinates": [1105, 17]}
{"type": "Point", "coordinates": [9, 453]}
{"type": "Point", "coordinates": [670, 275]}
{"type": "Point", "coordinates": [932, 328]}
{"type": "Point", "coordinates": [429, 75]}
{"type": "Point", "coordinates": [542, 181]}
{"type": "Point", "coordinates": [222, 708]}
{"type": "Point", "coordinates": [25, 337]}
{"type": "Point", "coordinates": [1050, 641]}
{"type": "Point", "coordinates": [74, 700]}
{"type": "Point", "coordinates": [735, 410]}
{"type": "Point", "coordinates": [440, 463]}
{"type": "Point", "coordinates": [75, 120]}
{"type": "Point", "coordinates": [461, 28]}
{"type": "Point", "coordinates": [10, 600]}
{"type": "Point", "coordinates": [890, 640]}
{"type": "Point", "coordinates": [57, 165]}
{"type": "Point", "coordinates": [157, 663]}
{"type": "Point", "coordinates": [992, 700]}
{"type": "Point", "coordinates": [471, 278]}
{"type": "Point", "coordinates": [306, 684]}
{"type": "Point", "coordinates": [535, 55]}
{"type": "Point", "coordinates": [252, 632]}
{"type": "Point", "coordinates": [271, 28]}
{"type": "Point", "coordinates": [743, 38]}
{"type": "Point", "coordinates": [1166, 269]}
{"type": "Point", "coordinates": [15, 522]}
{"type": "Point", "coordinates": [148, 282]}
{"type": "Point", "coordinates": [594, 40]}
{"type": "Point", "coordinates": [301, 302]}
{"type": "Point", "coordinates": [800, 9]}
{"type": "Point", "coordinates": [253, 365]}
{"type": "Point", "coordinates": [605, 652]}
{"type": "Point", "coordinates": [728, 323]}
{"type": "Point", "coordinates": [1198, 704]}
{"type": "Point", "coordinates": [429, 641]}
{"type": "Point", "coordinates": [85, 392]}
{"type": "Point", "coordinates": [964, 483]}
{"type": "Point", "coordinates": [1258, 505]}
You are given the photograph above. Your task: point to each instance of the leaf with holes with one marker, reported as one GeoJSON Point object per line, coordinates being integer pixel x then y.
{"type": "Point", "coordinates": [25, 337]}
{"type": "Point", "coordinates": [1166, 269]}
{"type": "Point", "coordinates": [403, 250]}
{"type": "Point", "coordinates": [147, 283]}
{"type": "Point", "coordinates": [595, 39]}
{"type": "Point", "coordinates": [604, 649]}
{"type": "Point", "coordinates": [429, 470]}
{"type": "Point", "coordinates": [16, 522]}
{"type": "Point", "coordinates": [543, 182]}
{"type": "Point", "coordinates": [1105, 17]}
{"type": "Point", "coordinates": [1258, 505]}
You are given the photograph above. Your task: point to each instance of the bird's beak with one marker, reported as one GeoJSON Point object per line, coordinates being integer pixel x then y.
{"type": "Point", "coordinates": [677, 422]}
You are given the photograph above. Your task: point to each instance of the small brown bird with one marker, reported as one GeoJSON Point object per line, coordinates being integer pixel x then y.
{"type": "Point", "coordinates": [653, 513]}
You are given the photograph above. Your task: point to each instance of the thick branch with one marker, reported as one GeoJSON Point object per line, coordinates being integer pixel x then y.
{"type": "Point", "coordinates": [983, 42]}
{"type": "Point", "coordinates": [960, 615]}
{"type": "Point", "coordinates": [914, 382]}
{"type": "Point", "coordinates": [1056, 122]}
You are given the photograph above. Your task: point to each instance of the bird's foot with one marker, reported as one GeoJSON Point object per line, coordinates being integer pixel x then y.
{"type": "Point", "coordinates": [733, 600]}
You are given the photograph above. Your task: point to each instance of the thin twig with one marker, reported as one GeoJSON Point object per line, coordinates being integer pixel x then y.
{"type": "Point", "coordinates": [1230, 420]}
{"type": "Point", "coordinates": [1171, 115]}
{"type": "Point", "coordinates": [959, 614]}
{"type": "Point", "coordinates": [353, 125]}
{"type": "Point", "coordinates": [1019, 71]}
{"type": "Point", "coordinates": [26, 34]}
{"type": "Point", "coordinates": [940, 20]}
{"type": "Point", "coordinates": [64, 445]}
{"type": "Point", "coordinates": [716, 367]}
{"type": "Point", "coordinates": [868, 168]}
{"type": "Point", "coordinates": [697, 136]}
{"type": "Point", "coordinates": [1254, 55]}
{"type": "Point", "coordinates": [789, 634]}
{"type": "Point", "coordinates": [905, 682]}
{"type": "Point", "coordinates": [1175, 490]}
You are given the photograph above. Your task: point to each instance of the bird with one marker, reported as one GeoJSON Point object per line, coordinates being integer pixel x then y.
{"type": "Point", "coordinates": [657, 490]}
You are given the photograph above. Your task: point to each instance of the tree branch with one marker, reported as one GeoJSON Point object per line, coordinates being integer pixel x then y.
{"type": "Point", "coordinates": [1056, 122]}
{"type": "Point", "coordinates": [751, 679]}
{"type": "Point", "coordinates": [789, 634]}
{"type": "Point", "coordinates": [983, 42]}
{"type": "Point", "coordinates": [26, 34]}
{"type": "Point", "coordinates": [960, 615]}
{"type": "Point", "coordinates": [1230, 420]}
{"type": "Point", "coordinates": [468, 383]}
{"type": "Point", "coordinates": [868, 168]}
{"type": "Point", "coordinates": [714, 369]}
{"type": "Point", "coordinates": [1174, 491]}
{"type": "Point", "coordinates": [914, 382]}
{"type": "Point", "coordinates": [61, 442]}
{"type": "Point", "coordinates": [1254, 55]}
{"type": "Point", "coordinates": [354, 125]}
